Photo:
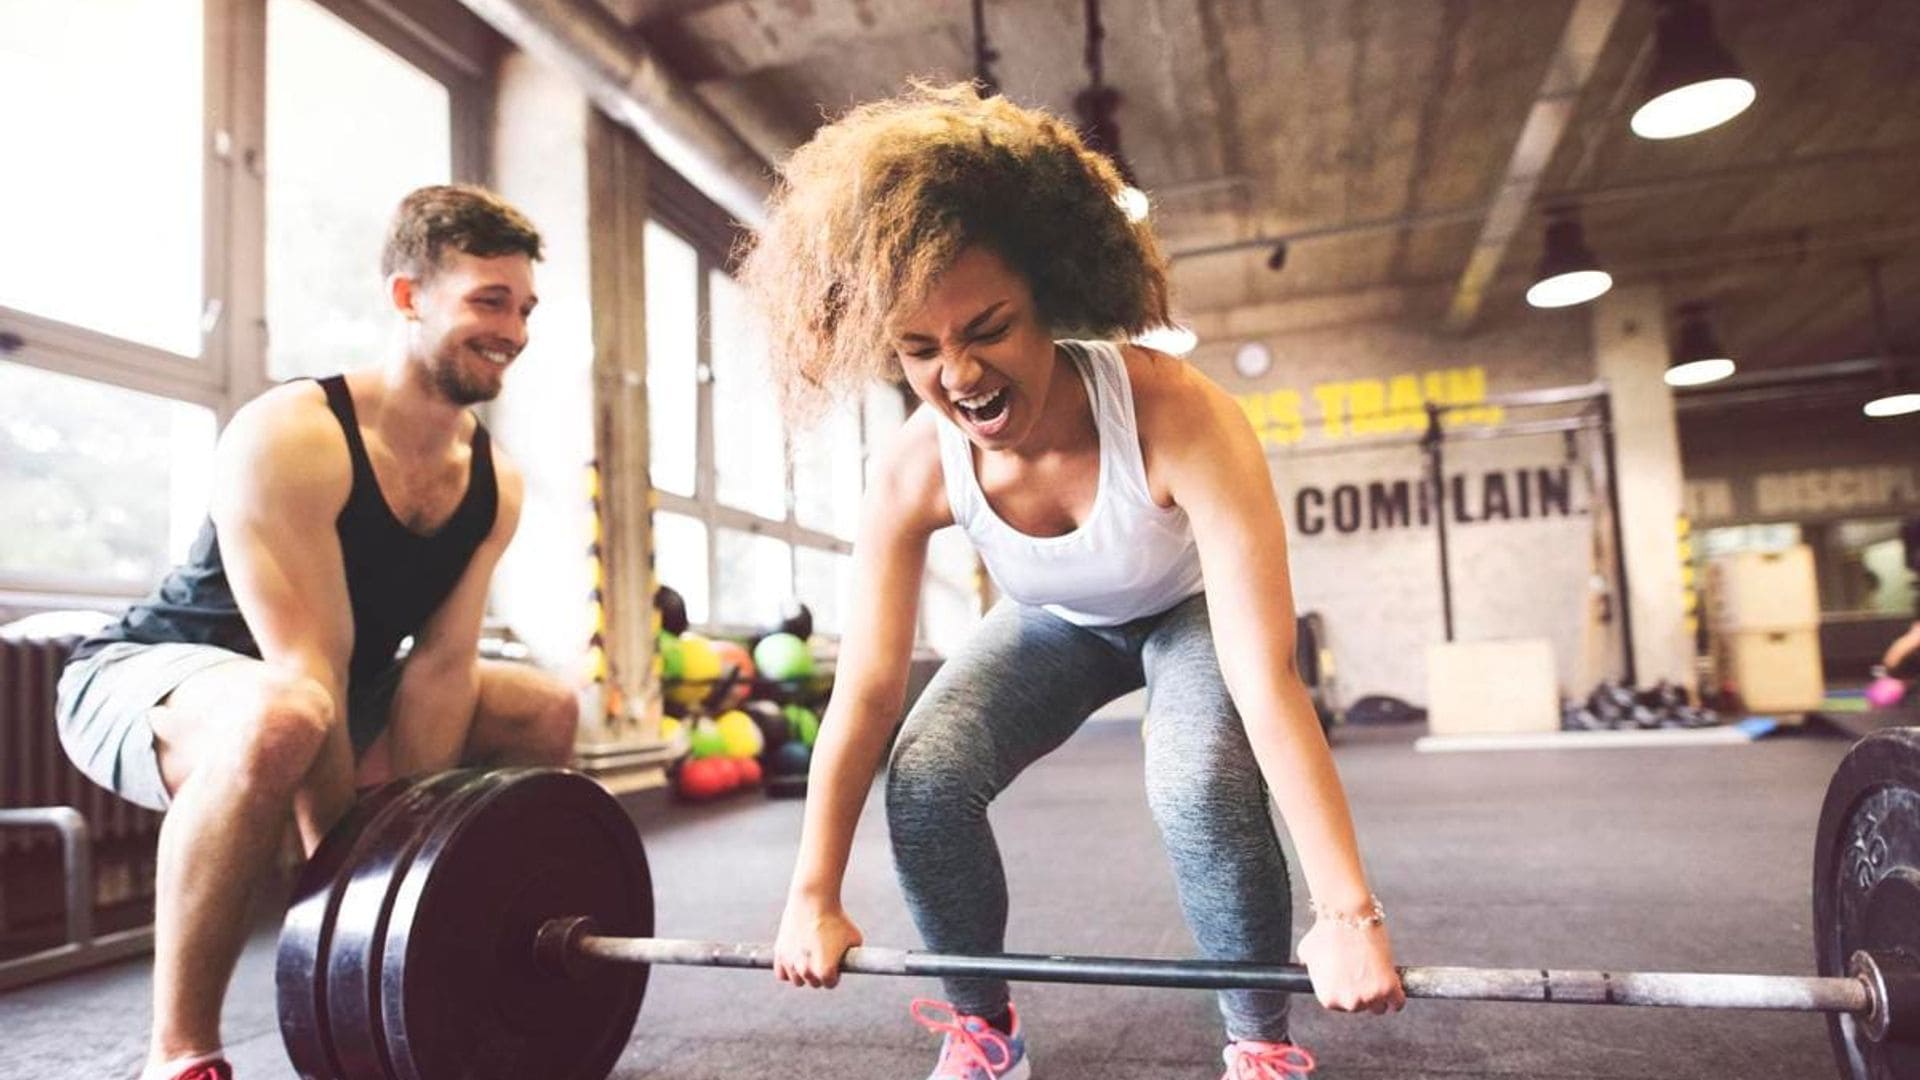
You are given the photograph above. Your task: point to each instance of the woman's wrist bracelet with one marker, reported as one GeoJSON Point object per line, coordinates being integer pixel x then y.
{"type": "Point", "coordinates": [1371, 916]}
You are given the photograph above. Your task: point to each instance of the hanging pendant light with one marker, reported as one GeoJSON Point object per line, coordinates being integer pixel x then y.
{"type": "Point", "coordinates": [1698, 358]}
{"type": "Point", "coordinates": [1569, 273]}
{"type": "Point", "coordinates": [1900, 393]}
{"type": "Point", "coordinates": [1694, 83]}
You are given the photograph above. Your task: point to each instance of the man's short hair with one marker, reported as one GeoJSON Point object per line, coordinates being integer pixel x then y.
{"type": "Point", "coordinates": [462, 216]}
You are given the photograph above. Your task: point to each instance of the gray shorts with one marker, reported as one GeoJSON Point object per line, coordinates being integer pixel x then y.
{"type": "Point", "coordinates": [105, 699]}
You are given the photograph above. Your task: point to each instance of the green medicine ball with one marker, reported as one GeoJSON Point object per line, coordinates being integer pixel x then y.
{"type": "Point", "coordinates": [672, 662]}
{"type": "Point", "coordinates": [803, 723]}
{"type": "Point", "coordinates": [783, 657]}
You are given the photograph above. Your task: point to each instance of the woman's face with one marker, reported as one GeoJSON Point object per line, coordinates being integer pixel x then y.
{"type": "Point", "coordinates": [978, 351]}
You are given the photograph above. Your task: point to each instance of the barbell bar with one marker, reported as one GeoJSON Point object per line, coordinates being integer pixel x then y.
{"type": "Point", "coordinates": [565, 945]}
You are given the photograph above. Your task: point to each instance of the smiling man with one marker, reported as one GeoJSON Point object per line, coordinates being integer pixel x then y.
{"type": "Point", "coordinates": [260, 679]}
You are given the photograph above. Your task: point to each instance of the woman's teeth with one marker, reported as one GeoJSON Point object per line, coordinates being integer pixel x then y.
{"type": "Point", "coordinates": [983, 407]}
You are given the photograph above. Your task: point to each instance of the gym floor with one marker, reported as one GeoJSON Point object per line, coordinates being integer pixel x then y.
{"type": "Point", "coordinates": [1678, 859]}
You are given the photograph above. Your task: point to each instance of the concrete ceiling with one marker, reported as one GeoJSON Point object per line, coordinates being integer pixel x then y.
{"type": "Point", "coordinates": [1380, 133]}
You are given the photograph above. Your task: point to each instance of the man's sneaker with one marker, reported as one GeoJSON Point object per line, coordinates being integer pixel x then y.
{"type": "Point", "coordinates": [209, 1067]}
{"type": "Point", "coordinates": [1249, 1060]}
{"type": "Point", "coordinates": [973, 1050]}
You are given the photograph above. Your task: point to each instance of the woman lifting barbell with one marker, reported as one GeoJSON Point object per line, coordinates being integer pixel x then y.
{"type": "Point", "coordinates": [1122, 504]}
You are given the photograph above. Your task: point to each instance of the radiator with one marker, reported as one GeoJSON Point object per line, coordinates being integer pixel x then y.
{"type": "Point", "coordinates": [34, 771]}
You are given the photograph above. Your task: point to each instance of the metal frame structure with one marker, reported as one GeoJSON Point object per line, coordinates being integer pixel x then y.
{"type": "Point", "coordinates": [82, 948]}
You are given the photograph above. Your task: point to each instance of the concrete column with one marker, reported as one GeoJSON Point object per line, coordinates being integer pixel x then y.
{"type": "Point", "coordinates": [544, 419]}
{"type": "Point", "coordinates": [1630, 354]}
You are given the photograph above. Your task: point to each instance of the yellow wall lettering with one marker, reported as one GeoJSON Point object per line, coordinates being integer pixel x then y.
{"type": "Point", "coordinates": [1351, 408]}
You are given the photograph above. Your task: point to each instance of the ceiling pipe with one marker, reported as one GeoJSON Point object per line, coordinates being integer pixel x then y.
{"type": "Point", "coordinates": [630, 85]}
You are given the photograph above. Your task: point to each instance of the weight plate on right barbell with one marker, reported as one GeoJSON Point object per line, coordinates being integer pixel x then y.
{"type": "Point", "coordinates": [1866, 884]}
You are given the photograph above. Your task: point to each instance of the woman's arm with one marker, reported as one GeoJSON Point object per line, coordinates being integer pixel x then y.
{"type": "Point", "coordinates": [902, 508]}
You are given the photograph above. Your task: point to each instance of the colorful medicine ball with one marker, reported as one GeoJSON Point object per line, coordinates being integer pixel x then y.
{"type": "Point", "coordinates": [671, 659]}
{"type": "Point", "coordinates": [735, 658]}
{"type": "Point", "coordinates": [740, 734]}
{"type": "Point", "coordinates": [791, 759]}
{"type": "Point", "coordinates": [704, 778]}
{"type": "Point", "coordinates": [803, 724]}
{"type": "Point", "coordinates": [706, 740]}
{"type": "Point", "coordinates": [771, 722]}
{"type": "Point", "coordinates": [783, 657]}
{"type": "Point", "coordinates": [699, 667]}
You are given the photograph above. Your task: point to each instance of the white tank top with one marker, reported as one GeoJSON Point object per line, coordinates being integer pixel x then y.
{"type": "Point", "coordinates": [1130, 558]}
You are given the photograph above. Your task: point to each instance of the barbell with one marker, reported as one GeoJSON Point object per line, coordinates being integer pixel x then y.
{"type": "Point", "coordinates": [497, 923]}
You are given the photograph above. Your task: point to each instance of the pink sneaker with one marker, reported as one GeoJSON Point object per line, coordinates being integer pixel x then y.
{"type": "Point", "coordinates": [973, 1050]}
{"type": "Point", "coordinates": [1250, 1060]}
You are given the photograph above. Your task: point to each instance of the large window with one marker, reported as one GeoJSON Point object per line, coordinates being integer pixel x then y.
{"type": "Point", "coordinates": [748, 514]}
{"type": "Point", "coordinates": [749, 441]}
{"type": "Point", "coordinates": [351, 127]}
{"type": "Point", "coordinates": [101, 195]}
{"type": "Point", "coordinates": [142, 202]}
{"type": "Point", "coordinates": [98, 486]}
{"type": "Point", "coordinates": [673, 359]}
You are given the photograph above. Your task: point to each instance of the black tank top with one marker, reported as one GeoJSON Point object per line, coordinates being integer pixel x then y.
{"type": "Point", "coordinates": [396, 578]}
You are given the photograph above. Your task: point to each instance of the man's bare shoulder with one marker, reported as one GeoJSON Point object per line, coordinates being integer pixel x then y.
{"type": "Point", "coordinates": [289, 437]}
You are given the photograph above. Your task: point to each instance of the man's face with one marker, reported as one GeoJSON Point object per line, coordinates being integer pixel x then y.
{"type": "Point", "coordinates": [471, 321]}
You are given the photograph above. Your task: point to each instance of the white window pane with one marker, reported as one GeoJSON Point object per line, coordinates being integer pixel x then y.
{"type": "Point", "coordinates": [97, 482]}
{"type": "Point", "coordinates": [826, 474]}
{"type": "Point", "coordinates": [749, 457]}
{"type": "Point", "coordinates": [101, 121]}
{"type": "Point", "coordinates": [755, 577]}
{"type": "Point", "coordinates": [884, 411]}
{"type": "Point", "coordinates": [680, 560]}
{"type": "Point", "coordinates": [821, 581]}
{"type": "Point", "coordinates": [351, 128]}
{"type": "Point", "coordinates": [673, 346]}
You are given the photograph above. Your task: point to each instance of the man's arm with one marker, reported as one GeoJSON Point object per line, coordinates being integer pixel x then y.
{"type": "Point", "coordinates": [281, 475]}
{"type": "Point", "coordinates": [1902, 647]}
{"type": "Point", "coordinates": [440, 686]}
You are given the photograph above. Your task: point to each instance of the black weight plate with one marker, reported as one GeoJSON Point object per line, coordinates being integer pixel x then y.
{"type": "Point", "coordinates": [306, 934]}
{"type": "Point", "coordinates": [351, 981]}
{"type": "Point", "coordinates": [461, 996]}
{"type": "Point", "coordinates": [307, 931]}
{"type": "Point", "coordinates": [1866, 883]}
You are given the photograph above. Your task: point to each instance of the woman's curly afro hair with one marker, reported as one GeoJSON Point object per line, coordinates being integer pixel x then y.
{"type": "Point", "coordinates": [878, 204]}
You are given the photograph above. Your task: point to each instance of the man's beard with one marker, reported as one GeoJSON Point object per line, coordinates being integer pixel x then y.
{"type": "Point", "coordinates": [450, 377]}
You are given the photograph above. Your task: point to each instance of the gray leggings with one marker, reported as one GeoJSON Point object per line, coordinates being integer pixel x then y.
{"type": "Point", "coordinates": [1023, 684]}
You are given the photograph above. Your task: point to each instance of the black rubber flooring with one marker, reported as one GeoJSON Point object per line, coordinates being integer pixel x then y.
{"type": "Point", "coordinates": [1676, 859]}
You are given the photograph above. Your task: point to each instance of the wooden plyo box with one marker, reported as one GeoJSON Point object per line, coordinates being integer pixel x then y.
{"type": "Point", "coordinates": [1487, 687]}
